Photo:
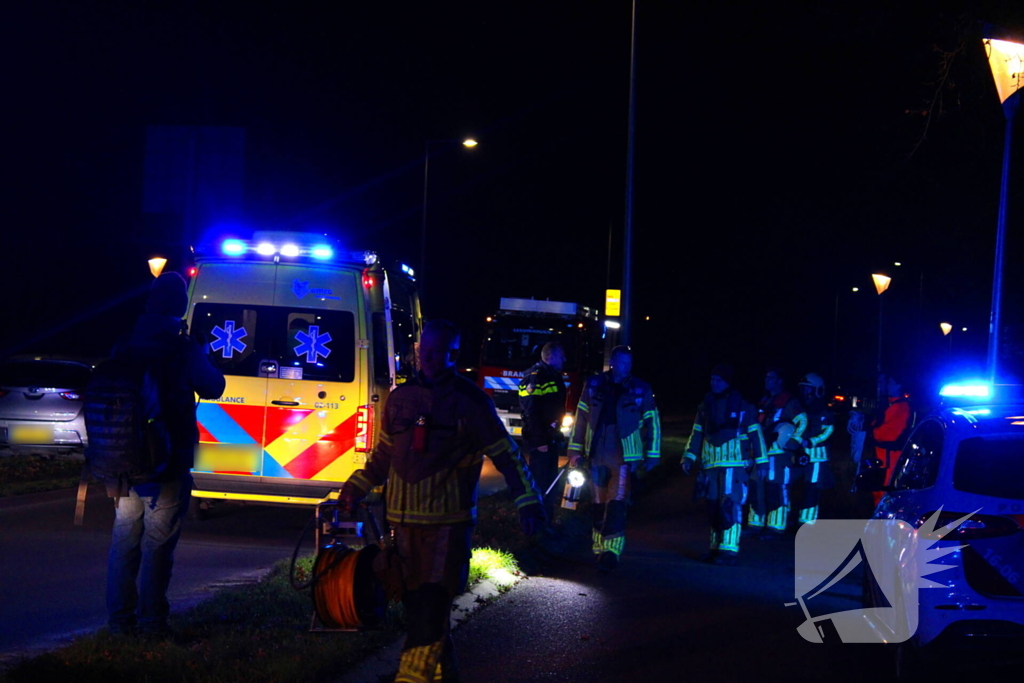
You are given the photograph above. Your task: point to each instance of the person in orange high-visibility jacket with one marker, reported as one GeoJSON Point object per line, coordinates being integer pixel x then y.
{"type": "Point", "coordinates": [617, 429]}
{"type": "Point", "coordinates": [724, 444]}
{"type": "Point", "coordinates": [436, 430]}
{"type": "Point", "coordinates": [889, 431]}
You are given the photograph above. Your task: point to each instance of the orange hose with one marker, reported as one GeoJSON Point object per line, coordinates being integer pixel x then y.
{"type": "Point", "coordinates": [333, 592]}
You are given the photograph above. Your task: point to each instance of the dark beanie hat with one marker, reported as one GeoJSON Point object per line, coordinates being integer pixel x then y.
{"type": "Point", "coordinates": [723, 370]}
{"type": "Point", "coordinates": [168, 295]}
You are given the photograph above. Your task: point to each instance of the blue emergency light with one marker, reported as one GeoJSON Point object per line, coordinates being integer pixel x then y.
{"type": "Point", "coordinates": [966, 390]}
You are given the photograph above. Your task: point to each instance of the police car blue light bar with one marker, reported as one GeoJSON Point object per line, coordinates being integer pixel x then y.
{"type": "Point", "coordinates": [966, 390]}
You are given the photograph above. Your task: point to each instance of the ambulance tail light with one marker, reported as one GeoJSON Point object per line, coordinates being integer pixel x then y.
{"type": "Point", "coordinates": [364, 429]}
{"type": "Point", "coordinates": [368, 280]}
{"type": "Point", "coordinates": [192, 271]}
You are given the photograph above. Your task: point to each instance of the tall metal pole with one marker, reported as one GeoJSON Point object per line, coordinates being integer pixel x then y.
{"type": "Point", "coordinates": [994, 326]}
{"type": "Point", "coordinates": [627, 255]}
{"type": "Point", "coordinates": [835, 342]}
{"type": "Point", "coordinates": [878, 366]}
{"type": "Point", "coordinates": [422, 272]}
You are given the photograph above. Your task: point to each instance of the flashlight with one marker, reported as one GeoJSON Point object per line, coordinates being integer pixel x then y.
{"type": "Point", "coordinates": [573, 487]}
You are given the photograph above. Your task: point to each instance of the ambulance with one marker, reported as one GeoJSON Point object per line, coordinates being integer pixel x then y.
{"type": "Point", "coordinates": [311, 340]}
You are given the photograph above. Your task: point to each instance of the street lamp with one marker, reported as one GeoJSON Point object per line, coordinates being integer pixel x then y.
{"type": "Point", "coordinates": [881, 284]}
{"type": "Point", "coordinates": [468, 143]}
{"type": "Point", "coordinates": [156, 265]}
{"type": "Point", "coordinates": [1006, 59]}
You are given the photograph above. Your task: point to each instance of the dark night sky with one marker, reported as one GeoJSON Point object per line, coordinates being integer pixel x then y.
{"type": "Point", "coordinates": [781, 157]}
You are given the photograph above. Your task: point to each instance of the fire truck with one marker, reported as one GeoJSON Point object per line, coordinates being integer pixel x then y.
{"type": "Point", "coordinates": [512, 340]}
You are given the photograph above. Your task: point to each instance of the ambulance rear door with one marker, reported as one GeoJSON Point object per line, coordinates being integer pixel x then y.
{"type": "Point", "coordinates": [231, 309]}
{"type": "Point", "coordinates": [316, 398]}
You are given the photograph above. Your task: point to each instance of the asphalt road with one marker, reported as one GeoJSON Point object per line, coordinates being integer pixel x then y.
{"type": "Point", "coordinates": [52, 573]}
{"type": "Point", "coordinates": [662, 615]}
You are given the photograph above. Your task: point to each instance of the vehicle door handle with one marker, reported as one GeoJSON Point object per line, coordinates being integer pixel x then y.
{"type": "Point", "coordinates": [285, 403]}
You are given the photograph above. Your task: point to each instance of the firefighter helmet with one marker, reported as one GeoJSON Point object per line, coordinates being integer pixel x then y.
{"type": "Point", "coordinates": [815, 381]}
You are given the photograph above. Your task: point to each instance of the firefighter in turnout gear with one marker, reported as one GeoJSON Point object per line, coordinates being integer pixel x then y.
{"type": "Point", "coordinates": [542, 399]}
{"type": "Point", "coordinates": [783, 422]}
{"type": "Point", "coordinates": [725, 442]}
{"type": "Point", "coordinates": [436, 430]}
{"type": "Point", "coordinates": [617, 429]}
{"type": "Point", "coordinates": [811, 466]}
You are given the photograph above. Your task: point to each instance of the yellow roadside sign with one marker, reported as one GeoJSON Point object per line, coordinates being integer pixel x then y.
{"type": "Point", "coordinates": [612, 301]}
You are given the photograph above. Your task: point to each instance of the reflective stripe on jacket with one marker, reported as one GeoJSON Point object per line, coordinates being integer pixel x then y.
{"type": "Point", "coordinates": [542, 399]}
{"type": "Point", "coordinates": [433, 439]}
{"type": "Point", "coordinates": [636, 415]}
{"type": "Point", "coordinates": [726, 433]}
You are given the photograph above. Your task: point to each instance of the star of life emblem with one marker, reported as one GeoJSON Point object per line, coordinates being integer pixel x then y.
{"type": "Point", "coordinates": [312, 344]}
{"type": "Point", "coordinates": [228, 339]}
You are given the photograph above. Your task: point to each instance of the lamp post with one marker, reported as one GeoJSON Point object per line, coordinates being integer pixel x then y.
{"type": "Point", "coordinates": [1006, 59]}
{"type": "Point", "coordinates": [835, 336]}
{"type": "Point", "coordinates": [468, 143]}
{"type": "Point", "coordinates": [881, 284]}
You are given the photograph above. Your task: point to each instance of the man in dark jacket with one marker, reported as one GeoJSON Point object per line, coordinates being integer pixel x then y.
{"type": "Point", "coordinates": [436, 431]}
{"type": "Point", "coordinates": [148, 519]}
{"type": "Point", "coordinates": [542, 399]}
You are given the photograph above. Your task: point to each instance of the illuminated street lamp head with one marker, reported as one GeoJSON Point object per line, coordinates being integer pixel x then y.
{"type": "Point", "coordinates": [156, 266]}
{"type": "Point", "coordinates": [946, 328]}
{"type": "Point", "coordinates": [881, 282]}
{"type": "Point", "coordinates": [469, 142]}
{"type": "Point", "coordinates": [1006, 59]}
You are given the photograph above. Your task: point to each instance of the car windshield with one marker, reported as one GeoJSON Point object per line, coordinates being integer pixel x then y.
{"type": "Point", "coordinates": [991, 465]}
{"type": "Point", "coordinates": [43, 374]}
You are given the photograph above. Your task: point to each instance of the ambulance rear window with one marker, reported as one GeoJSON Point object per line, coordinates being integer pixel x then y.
{"type": "Point", "coordinates": [319, 344]}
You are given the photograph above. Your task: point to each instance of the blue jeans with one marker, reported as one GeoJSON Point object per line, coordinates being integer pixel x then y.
{"type": "Point", "coordinates": [147, 525]}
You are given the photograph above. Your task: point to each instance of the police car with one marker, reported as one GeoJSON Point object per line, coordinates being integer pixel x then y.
{"type": "Point", "coordinates": [965, 458]}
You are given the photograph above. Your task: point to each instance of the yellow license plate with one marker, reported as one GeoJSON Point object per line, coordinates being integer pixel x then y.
{"type": "Point", "coordinates": [31, 435]}
{"type": "Point", "coordinates": [212, 457]}
{"type": "Point", "coordinates": [515, 431]}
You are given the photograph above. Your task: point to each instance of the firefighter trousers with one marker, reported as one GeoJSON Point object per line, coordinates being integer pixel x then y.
{"type": "Point", "coordinates": [726, 494]}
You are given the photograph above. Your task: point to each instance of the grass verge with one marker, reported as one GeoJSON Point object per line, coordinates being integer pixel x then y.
{"type": "Point", "coordinates": [21, 474]}
{"type": "Point", "coordinates": [255, 634]}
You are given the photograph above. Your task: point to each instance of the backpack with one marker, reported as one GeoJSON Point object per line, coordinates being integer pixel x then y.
{"type": "Point", "coordinates": [128, 439]}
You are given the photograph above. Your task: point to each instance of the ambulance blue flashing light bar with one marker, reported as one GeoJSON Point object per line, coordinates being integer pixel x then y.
{"type": "Point", "coordinates": [283, 245]}
{"type": "Point", "coordinates": [966, 390]}
{"type": "Point", "coordinates": [234, 247]}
